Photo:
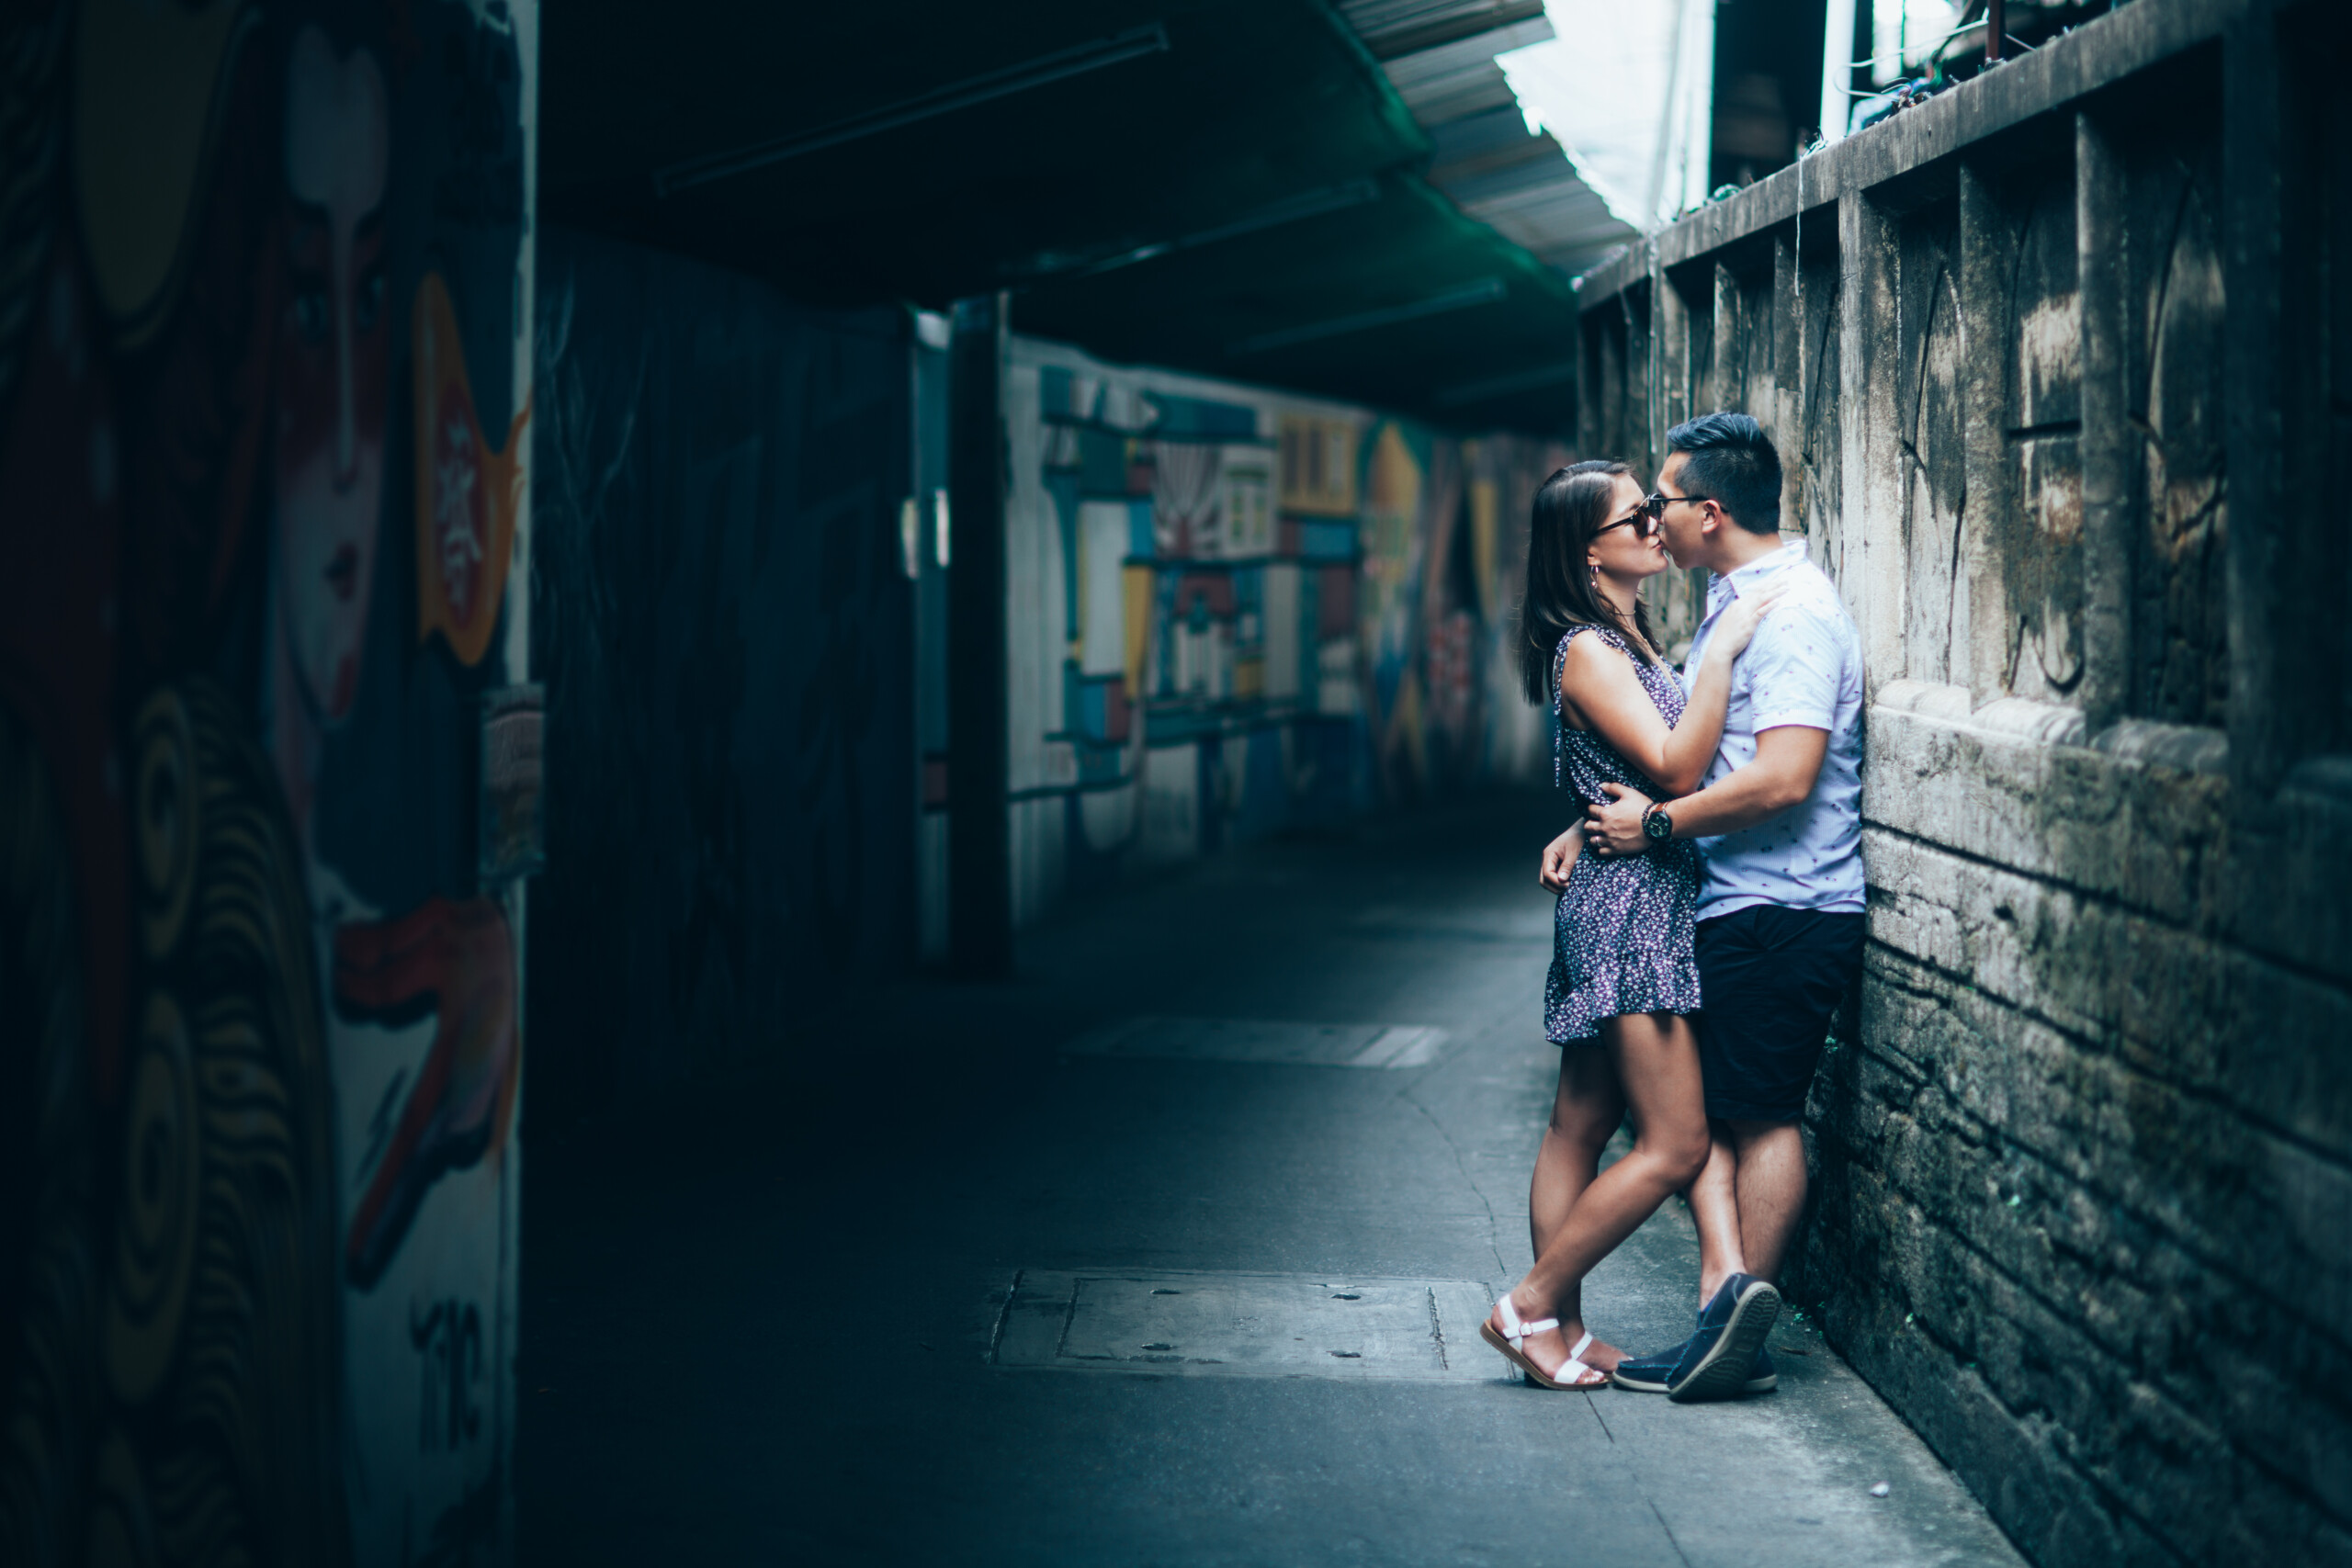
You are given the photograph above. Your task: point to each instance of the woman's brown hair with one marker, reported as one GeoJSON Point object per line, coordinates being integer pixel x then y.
{"type": "Point", "coordinates": [1571, 509]}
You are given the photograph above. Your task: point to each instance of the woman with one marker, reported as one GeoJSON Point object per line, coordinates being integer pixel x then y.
{"type": "Point", "coordinates": [1622, 982]}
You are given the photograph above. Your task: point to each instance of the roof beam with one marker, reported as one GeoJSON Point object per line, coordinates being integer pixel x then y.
{"type": "Point", "coordinates": [1458, 298]}
{"type": "Point", "coordinates": [1130, 44]}
{"type": "Point", "coordinates": [1313, 204]}
{"type": "Point", "coordinates": [1479, 392]}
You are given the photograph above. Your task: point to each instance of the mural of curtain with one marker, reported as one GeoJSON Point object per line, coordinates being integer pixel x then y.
{"type": "Point", "coordinates": [1185, 515]}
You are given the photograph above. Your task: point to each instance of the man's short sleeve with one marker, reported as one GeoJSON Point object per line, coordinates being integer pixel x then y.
{"type": "Point", "coordinates": [1794, 662]}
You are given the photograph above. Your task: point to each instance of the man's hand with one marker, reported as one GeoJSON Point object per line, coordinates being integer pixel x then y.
{"type": "Point", "coordinates": [1559, 858]}
{"type": "Point", "coordinates": [1787, 762]}
{"type": "Point", "coordinates": [1615, 830]}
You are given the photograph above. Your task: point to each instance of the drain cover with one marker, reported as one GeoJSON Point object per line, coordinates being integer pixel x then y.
{"type": "Point", "coordinates": [1247, 1326]}
{"type": "Point", "coordinates": [1251, 1039]}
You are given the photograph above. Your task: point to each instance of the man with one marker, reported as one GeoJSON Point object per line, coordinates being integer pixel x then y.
{"type": "Point", "coordinates": [1779, 920]}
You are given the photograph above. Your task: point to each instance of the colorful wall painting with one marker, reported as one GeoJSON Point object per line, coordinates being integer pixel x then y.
{"type": "Point", "coordinates": [1317, 457]}
{"type": "Point", "coordinates": [265, 289]}
{"type": "Point", "coordinates": [1501, 475]}
{"type": "Point", "coordinates": [1239, 611]}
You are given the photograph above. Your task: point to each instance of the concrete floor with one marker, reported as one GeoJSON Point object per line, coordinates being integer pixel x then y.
{"type": "Point", "coordinates": [783, 1321]}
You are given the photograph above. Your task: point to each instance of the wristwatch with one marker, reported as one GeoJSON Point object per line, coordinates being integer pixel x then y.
{"type": "Point", "coordinates": [1656, 825]}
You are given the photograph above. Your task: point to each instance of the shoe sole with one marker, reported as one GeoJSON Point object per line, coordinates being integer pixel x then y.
{"type": "Point", "coordinates": [1721, 1372]}
{"type": "Point", "coordinates": [1526, 1368]}
{"type": "Point", "coordinates": [1764, 1384]}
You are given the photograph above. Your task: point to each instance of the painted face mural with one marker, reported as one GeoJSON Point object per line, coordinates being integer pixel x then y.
{"type": "Point", "coordinates": [334, 365]}
{"type": "Point", "coordinates": [261, 1046]}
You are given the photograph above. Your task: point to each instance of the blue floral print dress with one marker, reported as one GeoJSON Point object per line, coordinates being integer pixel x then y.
{"type": "Point", "coordinates": [1620, 935]}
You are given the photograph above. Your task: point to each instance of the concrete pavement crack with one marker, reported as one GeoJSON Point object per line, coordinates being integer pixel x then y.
{"type": "Point", "coordinates": [1494, 1231]}
{"type": "Point", "coordinates": [996, 1332]}
{"type": "Point", "coordinates": [1669, 1534]}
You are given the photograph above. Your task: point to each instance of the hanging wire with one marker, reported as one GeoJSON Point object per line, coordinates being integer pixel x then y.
{"type": "Point", "coordinates": [1930, 44]}
{"type": "Point", "coordinates": [1924, 43]}
{"type": "Point", "coordinates": [1891, 86]}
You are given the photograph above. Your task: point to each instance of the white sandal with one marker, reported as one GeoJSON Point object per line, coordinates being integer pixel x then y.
{"type": "Point", "coordinates": [1512, 1343]}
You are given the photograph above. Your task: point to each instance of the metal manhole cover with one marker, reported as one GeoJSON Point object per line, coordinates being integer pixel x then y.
{"type": "Point", "coordinates": [1247, 1326]}
{"type": "Point", "coordinates": [1258, 1040]}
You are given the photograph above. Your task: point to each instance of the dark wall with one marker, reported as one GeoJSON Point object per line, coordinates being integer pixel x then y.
{"type": "Point", "coordinates": [723, 623]}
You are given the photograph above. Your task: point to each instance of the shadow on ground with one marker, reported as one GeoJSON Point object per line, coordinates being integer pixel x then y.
{"type": "Point", "coordinates": [1020, 1279]}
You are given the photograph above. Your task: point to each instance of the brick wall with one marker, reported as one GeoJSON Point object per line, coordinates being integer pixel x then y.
{"type": "Point", "coordinates": [2052, 363]}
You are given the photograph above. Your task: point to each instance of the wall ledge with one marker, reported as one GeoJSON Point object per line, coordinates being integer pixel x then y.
{"type": "Point", "coordinates": [2191, 748]}
{"type": "Point", "coordinates": [2326, 780]}
{"type": "Point", "coordinates": [2185, 748]}
{"type": "Point", "coordinates": [2014, 717]}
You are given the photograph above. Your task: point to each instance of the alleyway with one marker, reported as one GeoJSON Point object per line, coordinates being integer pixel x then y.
{"type": "Point", "coordinates": [758, 1327]}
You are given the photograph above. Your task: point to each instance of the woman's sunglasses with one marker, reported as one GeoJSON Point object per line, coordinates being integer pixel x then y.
{"type": "Point", "coordinates": [1644, 523]}
{"type": "Point", "coordinates": [1645, 517]}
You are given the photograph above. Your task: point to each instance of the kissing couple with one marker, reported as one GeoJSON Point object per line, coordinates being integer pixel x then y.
{"type": "Point", "coordinates": [1709, 906]}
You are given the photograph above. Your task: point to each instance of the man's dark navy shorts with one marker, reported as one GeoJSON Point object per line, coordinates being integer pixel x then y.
{"type": "Point", "coordinates": [1769, 977]}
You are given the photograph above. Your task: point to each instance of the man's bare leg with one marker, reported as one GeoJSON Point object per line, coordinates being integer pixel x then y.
{"type": "Point", "coordinates": [1770, 1183]}
{"type": "Point", "coordinates": [1748, 1201]}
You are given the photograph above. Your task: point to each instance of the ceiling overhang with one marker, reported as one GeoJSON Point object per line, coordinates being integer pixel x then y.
{"type": "Point", "coordinates": [1340, 201]}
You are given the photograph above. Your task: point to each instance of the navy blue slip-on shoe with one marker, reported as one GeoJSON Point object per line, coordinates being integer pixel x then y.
{"type": "Point", "coordinates": [1718, 1359]}
{"type": "Point", "coordinates": [1648, 1374]}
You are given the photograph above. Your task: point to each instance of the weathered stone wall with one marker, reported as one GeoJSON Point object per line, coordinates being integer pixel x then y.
{"type": "Point", "coordinates": [2059, 367]}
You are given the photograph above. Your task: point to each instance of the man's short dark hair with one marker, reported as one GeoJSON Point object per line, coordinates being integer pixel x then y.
{"type": "Point", "coordinates": [1731, 460]}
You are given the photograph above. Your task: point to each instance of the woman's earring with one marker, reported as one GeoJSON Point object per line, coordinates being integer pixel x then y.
{"type": "Point", "coordinates": [1596, 572]}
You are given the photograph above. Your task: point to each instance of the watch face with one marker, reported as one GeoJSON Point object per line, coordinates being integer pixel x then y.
{"type": "Point", "coordinates": [1657, 825]}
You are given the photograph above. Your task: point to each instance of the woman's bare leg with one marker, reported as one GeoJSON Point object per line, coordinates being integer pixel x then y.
{"type": "Point", "coordinates": [1585, 1113]}
{"type": "Point", "coordinates": [1656, 1061]}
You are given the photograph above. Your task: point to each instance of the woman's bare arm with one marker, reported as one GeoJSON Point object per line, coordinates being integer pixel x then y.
{"type": "Point", "coordinates": [1560, 858]}
{"type": "Point", "coordinates": [1598, 684]}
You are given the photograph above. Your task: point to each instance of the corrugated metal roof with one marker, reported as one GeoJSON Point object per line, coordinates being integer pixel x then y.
{"type": "Point", "coordinates": [1391, 27]}
{"type": "Point", "coordinates": [1461, 77]}
{"type": "Point", "coordinates": [1523, 187]}
{"type": "Point", "coordinates": [1440, 56]}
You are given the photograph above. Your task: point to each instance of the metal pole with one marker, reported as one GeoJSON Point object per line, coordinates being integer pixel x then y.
{"type": "Point", "coordinates": [1837, 67]}
{"type": "Point", "coordinates": [1995, 25]}
{"type": "Point", "coordinates": [979, 827]}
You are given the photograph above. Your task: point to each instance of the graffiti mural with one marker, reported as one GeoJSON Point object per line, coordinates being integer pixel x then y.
{"type": "Point", "coordinates": [1487, 575]}
{"type": "Point", "coordinates": [264, 273]}
{"type": "Point", "coordinates": [1238, 613]}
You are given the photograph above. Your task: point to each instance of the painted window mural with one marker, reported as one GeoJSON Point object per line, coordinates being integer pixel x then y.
{"type": "Point", "coordinates": [1238, 612]}
{"type": "Point", "coordinates": [268, 775]}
